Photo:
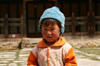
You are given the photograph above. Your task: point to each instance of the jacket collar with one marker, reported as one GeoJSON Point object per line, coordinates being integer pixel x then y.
{"type": "Point", "coordinates": [60, 42]}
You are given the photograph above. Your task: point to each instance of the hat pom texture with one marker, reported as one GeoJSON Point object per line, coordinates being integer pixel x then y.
{"type": "Point", "coordinates": [54, 13]}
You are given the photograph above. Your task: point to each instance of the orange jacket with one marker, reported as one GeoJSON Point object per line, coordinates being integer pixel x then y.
{"type": "Point", "coordinates": [59, 54]}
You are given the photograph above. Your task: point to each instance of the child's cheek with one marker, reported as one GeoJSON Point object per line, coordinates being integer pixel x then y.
{"type": "Point", "coordinates": [43, 33]}
{"type": "Point", "coordinates": [55, 33]}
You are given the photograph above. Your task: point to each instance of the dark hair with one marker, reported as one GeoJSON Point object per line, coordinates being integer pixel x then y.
{"type": "Point", "coordinates": [47, 22]}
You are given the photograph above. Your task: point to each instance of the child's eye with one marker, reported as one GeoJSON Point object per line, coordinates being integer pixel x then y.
{"type": "Point", "coordinates": [52, 29]}
{"type": "Point", "coordinates": [45, 29]}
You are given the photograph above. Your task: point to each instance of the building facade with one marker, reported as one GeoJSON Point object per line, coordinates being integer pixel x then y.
{"type": "Point", "coordinates": [33, 9]}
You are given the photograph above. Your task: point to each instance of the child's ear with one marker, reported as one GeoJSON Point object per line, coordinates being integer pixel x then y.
{"type": "Point", "coordinates": [59, 33]}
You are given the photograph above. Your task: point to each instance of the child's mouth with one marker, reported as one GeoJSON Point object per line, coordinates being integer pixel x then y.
{"type": "Point", "coordinates": [49, 37]}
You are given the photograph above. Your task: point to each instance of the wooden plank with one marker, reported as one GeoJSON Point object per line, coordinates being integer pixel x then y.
{"type": "Point", "coordinates": [28, 0]}
{"type": "Point", "coordinates": [81, 33]}
{"type": "Point", "coordinates": [2, 35]}
{"type": "Point", "coordinates": [22, 26]}
{"type": "Point", "coordinates": [6, 26]}
{"type": "Point", "coordinates": [14, 36]}
{"type": "Point", "coordinates": [51, 0]}
{"type": "Point", "coordinates": [67, 34]}
{"type": "Point", "coordinates": [67, 18]}
{"type": "Point", "coordinates": [68, 23]}
{"type": "Point", "coordinates": [76, 34]}
{"type": "Point", "coordinates": [78, 23]}
{"type": "Point", "coordinates": [81, 22]}
{"type": "Point", "coordinates": [24, 18]}
{"type": "Point", "coordinates": [14, 24]}
{"type": "Point", "coordinates": [2, 24]}
{"type": "Point", "coordinates": [97, 17]}
{"type": "Point", "coordinates": [97, 22]}
{"type": "Point", "coordinates": [73, 25]}
{"type": "Point", "coordinates": [2, 19]}
{"type": "Point", "coordinates": [11, 19]}
{"type": "Point", "coordinates": [77, 18]}
{"type": "Point", "coordinates": [14, 19]}
{"type": "Point", "coordinates": [81, 18]}
{"type": "Point", "coordinates": [97, 33]}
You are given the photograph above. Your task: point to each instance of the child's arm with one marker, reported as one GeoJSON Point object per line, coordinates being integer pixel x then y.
{"type": "Point", "coordinates": [32, 60]}
{"type": "Point", "coordinates": [70, 59]}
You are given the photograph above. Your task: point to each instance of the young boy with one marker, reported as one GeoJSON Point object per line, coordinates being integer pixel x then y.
{"type": "Point", "coordinates": [52, 50]}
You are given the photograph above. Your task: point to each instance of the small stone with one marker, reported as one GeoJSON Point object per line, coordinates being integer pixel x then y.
{"type": "Point", "coordinates": [12, 64]}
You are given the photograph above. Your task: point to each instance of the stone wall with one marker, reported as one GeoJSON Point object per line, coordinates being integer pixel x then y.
{"type": "Point", "coordinates": [77, 42]}
{"type": "Point", "coordinates": [83, 41]}
{"type": "Point", "coordinates": [10, 43]}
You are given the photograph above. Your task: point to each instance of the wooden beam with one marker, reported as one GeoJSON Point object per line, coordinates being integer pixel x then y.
{"type": "Point", "coordinates": [14, 24]}
{"type": "Point", "coordinates": [0, 11]}
{"type": "Point", "coordinates": [6, 26]}
{"type": "Point", "coordinates": [28, 0]}
{"type": "Point", "coordinates": [22, 26]}
{"type": "Point", "coordinates": [56, 2]}
{"type": "Point", "coordinates": [2, 24]}
{"type": "Point", "coordinates": [2, 19]}
{"type": "Point", "coordinates": [51, 0]}
{"type": "Point", "coordinates": [35, 14]}
{"type": "Point", "coordinates": [73, 25]}
{"type": "Point", "coordinates": [91, 20]}
{"type": "Point", "coordinates": [14, 19]}
{"type": "Point", "coordinates": [90, 7]}
{"type": "Point", "coordinates": [24, 19]}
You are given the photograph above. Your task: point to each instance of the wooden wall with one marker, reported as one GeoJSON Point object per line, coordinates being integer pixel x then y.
{"type": "Point", "coordinates": [34, 11]}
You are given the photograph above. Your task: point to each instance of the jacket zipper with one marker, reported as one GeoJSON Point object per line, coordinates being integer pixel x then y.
{"type": "Point", "coordinates": [48, 59]}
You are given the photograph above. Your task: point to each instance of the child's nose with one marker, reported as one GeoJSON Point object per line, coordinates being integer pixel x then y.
{"type": "Point", "coordinates": [49, 32]}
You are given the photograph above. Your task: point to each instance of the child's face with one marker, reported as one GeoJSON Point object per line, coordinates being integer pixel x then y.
{"type": "Point", "coordinates": [50, 33]}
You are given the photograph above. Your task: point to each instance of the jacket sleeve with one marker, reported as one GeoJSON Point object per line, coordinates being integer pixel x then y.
{"type": "Point", "coordinates": [70, 58]}
{"type": "Point", "coordinates": [32, 59]}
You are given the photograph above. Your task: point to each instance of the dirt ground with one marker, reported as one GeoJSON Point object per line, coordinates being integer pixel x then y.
{"type": "Point", "coordinates": [19, 57]}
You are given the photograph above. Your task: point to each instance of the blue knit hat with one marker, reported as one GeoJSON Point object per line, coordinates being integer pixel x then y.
{"type": "Point", "coordinates": [54, 13]}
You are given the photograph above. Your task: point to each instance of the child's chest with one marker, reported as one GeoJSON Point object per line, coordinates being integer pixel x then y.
{"type": "Point", "coordinates": [51, 54]}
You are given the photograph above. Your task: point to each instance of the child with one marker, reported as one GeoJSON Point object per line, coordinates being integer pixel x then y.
{"type": "Point", "coordinates": [52, 50]}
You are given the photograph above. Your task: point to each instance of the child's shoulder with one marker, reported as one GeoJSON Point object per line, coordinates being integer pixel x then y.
{"type": "Point", "coordinates": [67, 46]}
